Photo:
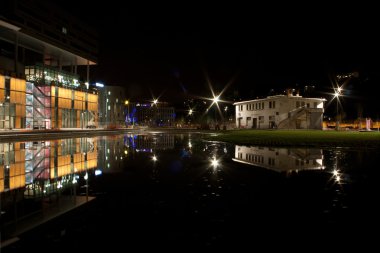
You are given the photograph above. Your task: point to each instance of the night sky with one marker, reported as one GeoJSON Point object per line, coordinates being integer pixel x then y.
{"type": "Point", "coordinates": [168, 50]}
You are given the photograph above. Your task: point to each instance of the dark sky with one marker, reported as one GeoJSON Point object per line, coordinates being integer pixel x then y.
{"type": "Point", "coordinates": [170, 49]}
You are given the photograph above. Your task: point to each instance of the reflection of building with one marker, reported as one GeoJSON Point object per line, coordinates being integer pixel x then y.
{"type": "Point", "coordinates": [289, 112]}
{"type": "Point", "coordinates": [148, 143]}
{"type": "Point", "coordinates": [280, 159]}
{"type": "Point", "coordinates": [41, 48]}
{"type": "Point", "coordinates": [111, 151]}
{"type": "Point", "coordinates": [150, 114]}
{"type": "Point", "coordinates": [36, 177]}
{"type": "Point", "coordinates": [44, 167]}
{"type": "Point", "coordinates": [12, 166]}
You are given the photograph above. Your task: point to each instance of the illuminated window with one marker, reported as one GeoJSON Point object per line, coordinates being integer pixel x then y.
{"type": "Point", "coordinates": [109, 108]}
{"type": "Point", "coordinates": [109, 93]}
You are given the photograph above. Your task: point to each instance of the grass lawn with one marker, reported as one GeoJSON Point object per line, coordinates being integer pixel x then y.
{"type": "Point", "coordinates": [316, 138]}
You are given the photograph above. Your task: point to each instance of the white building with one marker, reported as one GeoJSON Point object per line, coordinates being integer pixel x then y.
{"type": "Point", "coordinates": [283, 112]}
{"type": "Point", "coordinates": [280, 159]}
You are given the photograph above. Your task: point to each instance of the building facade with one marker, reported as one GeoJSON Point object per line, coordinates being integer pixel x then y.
{"type": "Point", "coordinates": [113, 105]}
{"type": "Point", "coordinates": [40, 52]}
{"type": "Point", "coordinates": [151, 114]}
{"type": "Point", "coordinates": [281, 111]}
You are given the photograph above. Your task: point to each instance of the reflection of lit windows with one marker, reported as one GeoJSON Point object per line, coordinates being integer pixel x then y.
{"type": "Point", "coordinates": [109, 108]}
{"type": "Point", "coordinates": [108, 165]}
{"type": "Point", "coordinates": [109, 93]}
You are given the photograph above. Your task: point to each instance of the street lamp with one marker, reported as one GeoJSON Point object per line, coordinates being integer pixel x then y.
{"type": "Point", "coordinates": [127, 104]}
{"type": "Point", "coordinates": [336, 96]}
{"type": "Point", "coordinates": [155, 120]}
{"type": "Point", "coordinates": [215, 100]}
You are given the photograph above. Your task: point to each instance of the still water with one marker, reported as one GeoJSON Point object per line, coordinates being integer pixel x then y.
{"type": "Point", "coordinates": [167, 190]}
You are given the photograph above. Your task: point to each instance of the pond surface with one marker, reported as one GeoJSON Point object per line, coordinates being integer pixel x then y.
{"type": "Point", "coordinates": [168, 191]}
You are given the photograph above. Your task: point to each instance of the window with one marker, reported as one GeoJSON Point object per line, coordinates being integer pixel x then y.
{"type": "Point", "coordinates": [298, 104]}
{"type": "Point", "coordinates": [64, 30]}
{"type": "Point", "coordinates": [274, 104]}
{"type": "Point", "coordinates": [270, 104]}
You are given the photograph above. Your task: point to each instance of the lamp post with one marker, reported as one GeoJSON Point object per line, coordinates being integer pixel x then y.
{"type": "Point", "coordinates": [336, 95]}
{"type": "Point", "coordinates": [215, 100]}
{"type": "Point", "coordinates": [155, 101]}
{"type": "Point", "coordinates": [127, 104]}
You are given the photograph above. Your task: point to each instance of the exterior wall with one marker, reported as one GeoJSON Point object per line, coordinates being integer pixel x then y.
{"type": "Point", "coordinates": [12, 102]}
{"type": "Point", "coordinates": [280, 159]}
{"type": "Point", "coordinates": [112, 108]}
{"type": "Point", "coordinates": [51, 24]}
{"type": "Point", "coordinates": [32, 33]}
{"type": "Point", "coordinates": [270, 112]}
{"type": "Point", "coordinates": [149, 114]}
{"type": "Point", "coordinates": [73, 108]}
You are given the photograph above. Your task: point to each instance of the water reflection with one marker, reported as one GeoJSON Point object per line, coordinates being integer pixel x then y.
{"type": "Point", "coordinates": [37, 177]}
{"type": "Point", "coordinates": [181, 187]}
{"type": "Point", "coordinates": [44, 167]}
{"type": "Point", "coordinates": [280, 159]}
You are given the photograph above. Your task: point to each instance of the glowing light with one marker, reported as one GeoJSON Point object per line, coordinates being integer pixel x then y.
{"type": "Point", "coordinates": [335, 172]}
{"type": "Point", "coordinates": [190, 111]}
{"type": "Point", "coordinates": [215, 100]}
{"type": "Point", "coordinates": [190, 146]}
{"type": "Point", "coordinates": [155, 101]}
{"type": "Point", "coordinates": [74, 180]}
{"type": "Point", "coordinates": [337, 178]}
{"type": "Point", "coordinates": [98, 172]}
{"type": "Point", "coordinates": [125, 152]}
{"type": "Point", "coordinates": [85, 176]}
{"type": "Point", "coordinates": [214, 162]}
{"type": "Point", "coordinates": [126, 102]}
{"type": "Point", "coordinates": [154, 158]}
